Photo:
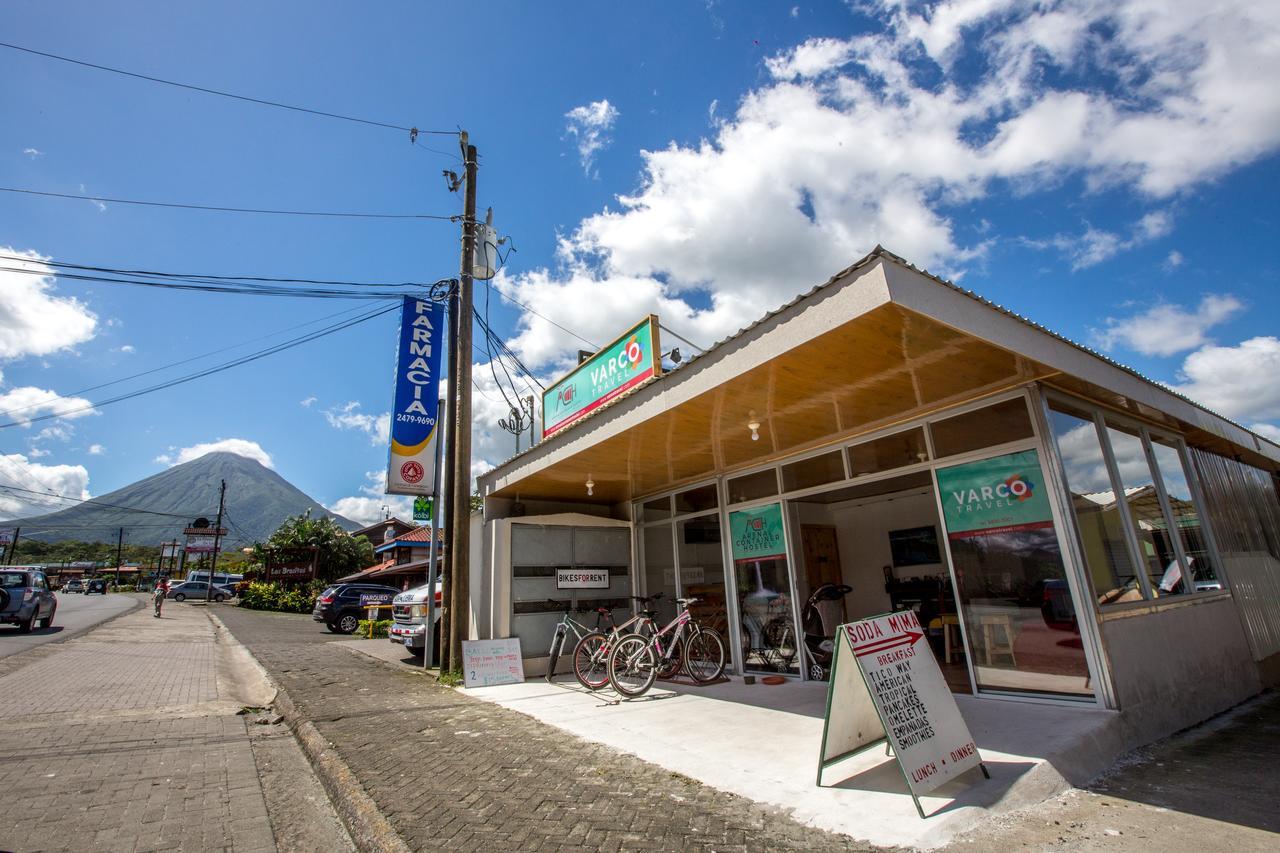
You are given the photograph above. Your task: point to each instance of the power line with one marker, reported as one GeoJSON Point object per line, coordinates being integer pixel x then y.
{"type": "Point", "coordinates": [218, 209]}
{"type": "Point", "coordinates": [412, 131]}
{"type": "Point", "coordinates": [209, 372]}
{"type": "Point", "coordinates": [95, 501]}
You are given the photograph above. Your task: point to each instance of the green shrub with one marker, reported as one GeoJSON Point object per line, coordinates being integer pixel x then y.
{"type": "Point", "coordinates": [274, 596]}
{"type": "Point", "coordinates": [379, 628]}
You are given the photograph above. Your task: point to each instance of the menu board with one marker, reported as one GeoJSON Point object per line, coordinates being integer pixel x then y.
{"type": "Point", "coordinates": [886, 684]}
{"type": "Point", "coordinates": [486, 663]}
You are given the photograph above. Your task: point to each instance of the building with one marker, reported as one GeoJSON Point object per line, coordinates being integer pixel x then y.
{"type": "Point", "coordinates": [890, 433]}
{"type": "Point", "coordinates": [384, 531]}
{"type": "Point", "coordinates": [403, 555]}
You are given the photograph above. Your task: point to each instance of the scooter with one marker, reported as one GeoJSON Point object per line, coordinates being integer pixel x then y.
{"type": "Point", "coordinates": [821, 619]}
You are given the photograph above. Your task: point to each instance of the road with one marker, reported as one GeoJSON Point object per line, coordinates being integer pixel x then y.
{"type": "Point", "coordinates": [76, 614]}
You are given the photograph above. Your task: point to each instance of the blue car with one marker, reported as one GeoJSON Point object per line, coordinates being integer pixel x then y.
{"type": "Point", "coordinates": [25, 598]}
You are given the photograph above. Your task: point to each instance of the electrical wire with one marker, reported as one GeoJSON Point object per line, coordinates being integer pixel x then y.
{"type": "Point", "coordinates": [346, 324]}
{"type": "Point", "coordinates": [412, 131]}
{"type": "Point", "coordinates": [218, 209]}
{"type": "Point", "coordinates": [95, 501]}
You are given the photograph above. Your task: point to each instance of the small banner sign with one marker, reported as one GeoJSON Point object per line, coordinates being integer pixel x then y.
{"type": "Point", "coordinates": [489, 662]}
{"type": "Point", "coordinates": [291, 564]}
{"type": "Point", "coordinates": [1004, 494]}
{"type": "Point", "coordinates": [368, 599]}
{"type": "Point", "coordinates": [202, 543]}
{"type": "Point", "coordinates": [887, 685]}
{"type": "Point", "coordinates": [7, 534]}
{"type": "Point", "coordinates": [582, 578]}
{"type": "Point", "coordinates": [422, 509]}
{"type": "Point", "coordinates": [757, 534]}
{"type": "Point", "coordinates": [411, 468]}
{"type": "Point", "coordinates": [630, 361]}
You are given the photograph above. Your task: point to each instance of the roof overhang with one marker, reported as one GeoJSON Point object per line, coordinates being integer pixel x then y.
{"type": "Point", "coordinates": [879, 343]}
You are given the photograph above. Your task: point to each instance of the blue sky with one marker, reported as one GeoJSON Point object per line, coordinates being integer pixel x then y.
{"type": "Point", "coordinates": [1108, 170]}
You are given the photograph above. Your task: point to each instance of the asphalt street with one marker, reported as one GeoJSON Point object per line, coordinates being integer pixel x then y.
{"type": "Point", "coordinates": [76, 614]}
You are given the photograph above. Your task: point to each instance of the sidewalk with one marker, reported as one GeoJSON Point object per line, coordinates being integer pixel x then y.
{"type": "Point", "coordinates": [127, 738]}
{"type": "Point", "coordinates": [452, 772]}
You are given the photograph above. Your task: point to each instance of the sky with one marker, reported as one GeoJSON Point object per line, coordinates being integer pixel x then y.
{"type": "Point", "coordinates": [1108, 169]}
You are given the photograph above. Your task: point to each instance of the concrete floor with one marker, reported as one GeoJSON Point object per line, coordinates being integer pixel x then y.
{"type": "Point", "coordinates": [762, 742]}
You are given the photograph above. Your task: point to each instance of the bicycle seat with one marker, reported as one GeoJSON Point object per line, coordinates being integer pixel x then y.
{"type": "Point", "coordinates": [686, 601]}
{"type": "Point", "coordinates": [603, 611]}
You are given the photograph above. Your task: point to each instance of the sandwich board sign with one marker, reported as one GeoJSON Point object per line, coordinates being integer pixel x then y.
{"type": "Point", "coordinates": [486, 663]}
{"type": "Point", "coordinates": [886, 686]}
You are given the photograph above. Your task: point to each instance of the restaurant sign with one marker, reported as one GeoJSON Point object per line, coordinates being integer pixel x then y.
{"type": "Point", "coordinates": [290, 564]}
{"type": "Point", "coordinates": [628, 362]}
{"type": "Point", "coordinates": [757, 534]}
{"type": "Point", "coordinates": [998, 495]}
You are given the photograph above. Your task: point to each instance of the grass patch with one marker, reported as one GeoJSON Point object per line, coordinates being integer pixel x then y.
{"type": "Point", "coordinates": [452, 678]}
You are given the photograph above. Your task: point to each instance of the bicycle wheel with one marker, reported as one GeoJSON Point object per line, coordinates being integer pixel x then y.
{"type": "Point", "coordinates": [553, 656]}
{"type": "Point", "coordinates": [632, 668]}
{"type": "Point", "coordinates": [704, 656]}
{"type": "Point", "coordinates": [591, 661]}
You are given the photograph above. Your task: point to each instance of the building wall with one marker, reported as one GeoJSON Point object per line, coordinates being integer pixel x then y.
{"type": "Point", "coordinates": [1177, 665]}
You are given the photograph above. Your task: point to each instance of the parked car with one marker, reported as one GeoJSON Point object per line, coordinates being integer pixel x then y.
{"type": "Point", "coordinates": [341, 607]}
{"type": "Point", "coordinates": [97, 585]}
{"type": "Point", "coordinates": [73, 585]}
{"type": "Point", "coordinates": [25, 599]}
{"type": "Point", "coordinates": [198, 590]}
{"type": "Point", "coordinates": [409, 610]}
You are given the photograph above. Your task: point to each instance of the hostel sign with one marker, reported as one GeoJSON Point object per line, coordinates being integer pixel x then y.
{"type": "Point", "coordinates": [412, 463]}
{"type": "Point", "coordinates": [757, 534]}
{"type": "Point", "coordinates": [998, 495]}
{"type": "Point", "coordinates": [886, 685]}
{"type": "Point", "coordinates": [618, 369]}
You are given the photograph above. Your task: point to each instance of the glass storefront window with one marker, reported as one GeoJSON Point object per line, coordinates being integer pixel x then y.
{"type": "Point", "coordinates": [814, 471]}
{"type": "Point", "coordinates": [697, 500]}
{"type": "Point", "coordinates": [998, 424]}
{"type": "Point", "coordinates": [769, 642]}
{"type": "Point", "coordinates": [1017, 607]}
{"type": "Point", "coordinates": [1141, 502]}
{"type": "Point", "coordinates": [1186, 521]}
{"type": "Point", "coordinates": [1092, 499]}
{"type": "Point", "coordinates": [888, 452]}
{"type": "Point", "coordinates": [660, 571]}
{"type": "Point", "coordinates": [656, 510]}
{"type": "Point", "coordinates": [702, 571]}
{"type": "Point", "coordinates": [749, 487]}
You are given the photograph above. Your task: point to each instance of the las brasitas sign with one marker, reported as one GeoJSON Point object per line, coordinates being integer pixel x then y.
{"type": "Point", "coordinates": [411, 466]}
{"type": "Point", "coordinates": [624, 365]}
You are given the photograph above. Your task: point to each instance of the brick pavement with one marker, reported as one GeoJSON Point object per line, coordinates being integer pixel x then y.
{"type": "Point", "coordinates": [122, 740]}
{"type": "Point", "coordinates": [452, 772]}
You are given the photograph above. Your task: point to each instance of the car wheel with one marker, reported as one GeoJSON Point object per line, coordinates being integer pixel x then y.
{"type": "Point", "coordinates": [24, 626]}
{"type": "Point", "coordinates": [219, 598]}
{"type": "Point", "coordinates": [348, 623]}
{"type": "Point", "coordinates": [333, 628]}
{"type": "Point", "coordinates": [47, 622]}
{"type": "Point", "coordinates": [180, 597]}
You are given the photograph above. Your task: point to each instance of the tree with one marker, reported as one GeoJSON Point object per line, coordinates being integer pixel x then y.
{"type": "Point", "coordinates": [340, 552]}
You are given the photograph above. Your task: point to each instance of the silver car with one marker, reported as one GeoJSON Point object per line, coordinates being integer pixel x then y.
{"type": "Point", "coordinates": [197, 591]}
{"type": "Point", "coordinates": [25, 598]}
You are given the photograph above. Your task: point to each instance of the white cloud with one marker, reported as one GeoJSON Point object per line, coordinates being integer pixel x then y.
{"type": "Point", "coordinates": [590, 124]}
{"type": "Point", "coordinates": [37, 453]}
{"type": "Point", "coordinates": [1270, 431]}
{"type": "Point", "coordinates": [1172, 262]}
{"type": "Point", "coordinates": [795, 11]}
{"type": "Point", "coordinates": [96, 450]}
{"type": "Point", "coordinates": [128, 348]}
{"type": "Point", "coordinates": [20, 405]}
{"type": "Point", "coordinates": [17, 470]}
{"type": "Point", "coordinates": [307, 402]}
{"type": "Point", "coordinates": [1165, 329]}
{"type": "Point", "coordinates": [33, 153]}
{"type": "Point", "coordinates": [1095, 245]}
{"type": "Point", "coordinates": [33, 321]}
{"type": "Point", "coordinates": [377, 427]}
{"type": "Point", "coordinates": [367, 507]}
{"type": "Point", "coordinates": [1236, 381]}
{"type": "Point", "coordinates": [240, 446]}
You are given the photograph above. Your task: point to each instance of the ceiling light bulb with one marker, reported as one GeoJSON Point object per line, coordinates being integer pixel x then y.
{"type": "Point", "coordinates": [754, 426]}
{"type": "Point", "coordinates": [590, 485]}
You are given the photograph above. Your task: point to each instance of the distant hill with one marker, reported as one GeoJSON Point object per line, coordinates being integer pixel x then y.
{"type": "Point", "coordinates": [258, 500]}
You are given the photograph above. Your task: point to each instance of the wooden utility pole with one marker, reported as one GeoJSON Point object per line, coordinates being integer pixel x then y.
{"type": "Point", "coordinates": [217, 534]}
{"type": "Point", "coordinates": [13, 547]}
{"type": "Point", "coordinates": [446, 483]}
{"type": "Point", "coordinates": [119, 553]}
{"type": "Point", "coordinates": [459, 542]}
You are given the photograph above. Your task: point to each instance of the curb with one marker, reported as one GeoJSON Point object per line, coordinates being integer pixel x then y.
{"type": "Point", "coordinates": [368, 827]}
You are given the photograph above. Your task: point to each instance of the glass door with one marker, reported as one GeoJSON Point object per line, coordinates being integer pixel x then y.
{"type": "Point", "coordinates": [760, 567]}
{"type": "Point", "coordinates": [1011, 584]}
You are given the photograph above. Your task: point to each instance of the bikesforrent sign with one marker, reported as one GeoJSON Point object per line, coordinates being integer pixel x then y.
{"type": "Point", "coordinates": [616, 370]}
{"type": "Point", "coordinates": [412, 462]}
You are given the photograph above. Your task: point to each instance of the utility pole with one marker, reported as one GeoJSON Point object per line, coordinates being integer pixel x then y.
{"type": "Point", "coordinates": [119, 553]}
{"type": "Point", "coordinates": [217, 534]}
{"type": "Point", "coordinates": [460, 515]}
{"type": "Point", "coordinates": [13, 547]}
{"type": "Point", "coordinates": [446, 482]}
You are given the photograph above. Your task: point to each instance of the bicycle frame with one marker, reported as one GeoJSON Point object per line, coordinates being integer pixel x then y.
{"type": "Point", "coordinates": [677, 625]}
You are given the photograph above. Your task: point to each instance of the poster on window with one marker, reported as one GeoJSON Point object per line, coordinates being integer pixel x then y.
{"type": "Point", "coordinates": [757, 534]}
{"type": "Point", "coordinates": [1004, 494]}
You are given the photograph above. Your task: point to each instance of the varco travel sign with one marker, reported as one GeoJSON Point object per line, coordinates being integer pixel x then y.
{"type": "Point", "coordinates": [411, 469]}
{"type": "Point", "coordinates": [619, 368]}
{"type": "Point", "coordinates": [996, 495]}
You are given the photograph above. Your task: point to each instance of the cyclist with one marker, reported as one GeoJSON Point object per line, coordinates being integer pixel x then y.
{"type": "Point", "coordinates": [161, 590]}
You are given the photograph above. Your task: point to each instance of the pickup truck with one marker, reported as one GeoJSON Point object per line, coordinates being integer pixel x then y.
{"type": "Point", "coordinates": [409, 615]}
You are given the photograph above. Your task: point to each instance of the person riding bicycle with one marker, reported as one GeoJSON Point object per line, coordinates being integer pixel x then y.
{"type": "Point", "coordinates": [158, 595]}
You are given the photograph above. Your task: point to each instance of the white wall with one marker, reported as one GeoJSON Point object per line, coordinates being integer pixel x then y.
{"type": "Point", "coordinates": [862, 534]}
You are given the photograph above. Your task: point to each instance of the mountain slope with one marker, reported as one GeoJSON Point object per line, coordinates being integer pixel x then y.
{"type": "Point", "coordinates": [258, 499]}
